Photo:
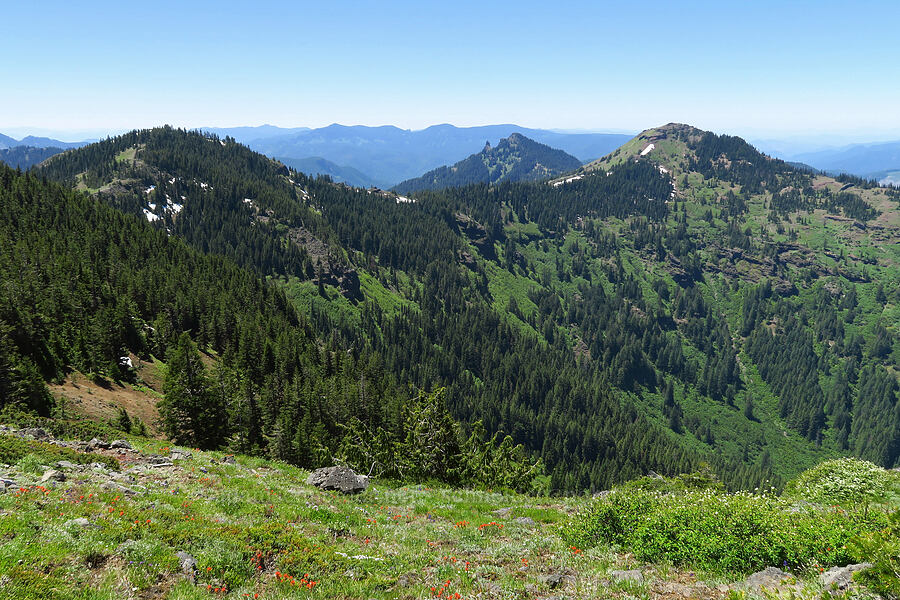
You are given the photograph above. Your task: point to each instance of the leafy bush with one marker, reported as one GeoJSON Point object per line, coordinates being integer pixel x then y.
{"type": "Point", "coordinates": [882, 549]}
{"type": "Point", "coordinates": [844, 482]}
{"type": "Point", "coordinates": [13, 450]}
{"type": "Point", "coordinates": [721, 532]}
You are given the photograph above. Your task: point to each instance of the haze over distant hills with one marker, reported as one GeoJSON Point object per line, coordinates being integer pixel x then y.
{"type": "Point", "coordinates": [39, 142]}
{"type": "Point", "coordinates": [865, 160]}
{"type": "Point", "coordinates": [389, 154]}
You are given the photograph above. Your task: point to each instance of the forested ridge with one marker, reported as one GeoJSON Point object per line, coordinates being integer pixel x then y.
{"type": "Point", "coordinates": [516, 158]}
{"type": "Point", "coordinates": [627, 319]}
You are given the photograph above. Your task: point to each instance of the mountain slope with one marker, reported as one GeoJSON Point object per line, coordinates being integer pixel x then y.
{"type": "Point", "coordinates": [690, 301]}
{"type": "Point", "coordinates": [515, 158]}
{"type": "Point", "coordinates": [316, 165]}
{"type": "Point", "coordinates": [25, 157]}
{"type": "Point", "coordinates": [391, 155]}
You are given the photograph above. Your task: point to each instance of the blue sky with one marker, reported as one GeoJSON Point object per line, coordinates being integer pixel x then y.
{"type": "Point", "coordinates": [753, 68]}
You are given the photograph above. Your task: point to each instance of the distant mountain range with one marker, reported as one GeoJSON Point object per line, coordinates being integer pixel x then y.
{"type": "Point", "coordinates": [865, 160]}
{"type": "Point", "coordinates": [515, 158]}
{"type": "Point", "coordinates": [39, 142]}
{"type": "Point", "coordinates": [389, 155]}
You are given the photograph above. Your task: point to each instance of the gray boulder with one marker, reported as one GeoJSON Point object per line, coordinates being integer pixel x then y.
{"type": "Point", "coordinates": [526, 521]}
{"type": "Point", "coordinates": [770, 578]}
{"type": "Point", "coordinates": [120, 444]}
{"type": "Point", "coordinates": [64, 464]}
{"type": "Point", "coordinates": [841, 578]}
{"type": "Point", "coordinates": [342, 479]}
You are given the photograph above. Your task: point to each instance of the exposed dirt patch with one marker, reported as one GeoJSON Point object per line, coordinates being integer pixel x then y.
{"type": "Point", "coordinates": [101, 402]}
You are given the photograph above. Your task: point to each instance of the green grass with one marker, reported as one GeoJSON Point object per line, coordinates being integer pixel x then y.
{"type": "Point", "coordinates": [254, 527]}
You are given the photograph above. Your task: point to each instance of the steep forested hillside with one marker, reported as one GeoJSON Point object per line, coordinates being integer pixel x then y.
{"type": "Point", "coordinates": [24, 157]}
{"type": "Point", "coordinates": [515, 158]}
{"type": "Point", "coordinates": [685, 299]}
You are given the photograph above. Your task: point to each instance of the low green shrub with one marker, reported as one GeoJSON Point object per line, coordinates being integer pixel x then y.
{"type": "Point", "coordinates": [13, 450]}
{"type": "Point", "coordinates": [882, 549]}
{"type": "Point", "coordinates": [842, 482]}
{"type": "Point", "coordinates": [723, 532]}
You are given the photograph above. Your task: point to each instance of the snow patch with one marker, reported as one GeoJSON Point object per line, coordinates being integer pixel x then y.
{"type": "Point", "coordinates": [150, 189]}
{"type": "Point", "coordinates": [204, 185]}
{"type": "Point", "coordinates": [248, 201]}
{"type": "Point", "coordinates": [150, 216]}
{"type": "Point", "coordinates": [568, 180]}
{"type": "Point", "coordinates": [176, 208]}
{"type": "Point", "coordinates": [151, 205]}
{"type": "Point", "coordinates": [663, 170]}
{"type": "Point", "coordinates": [404, 199]}
{"type": "Point", "coordinates": [172, 180]}
{"type": "Point", "coordinates": [647, 150]}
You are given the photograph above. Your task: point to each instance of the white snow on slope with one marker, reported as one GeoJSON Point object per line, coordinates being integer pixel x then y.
{"type": "Point", "coordinates": [647, 150]}
{"type": "Point", "coordinates": [569, 180]}
{"type": "Point", "coordinates": [150, 216]}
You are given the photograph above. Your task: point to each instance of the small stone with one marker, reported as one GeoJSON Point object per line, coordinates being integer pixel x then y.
{"type": "Point", "coordinates": [526, 521]}
{"type": "Point", "coordinates": [229, 459]}
{"type": "Point", "coordinates": [36, 432]}
{"type": "Point", "coordinates": [408, 579]}
{"type": "Point", "coordinates": [97, 443]}
{"type": "Point", "coordinates": [629, 575]}
{"type": "Point", "coordinates": [53, 475]}
{"type": "Point", "coordinates": [120, 444]}
{"type": "Point", "coordinates": [503, 512]}
{"type": "Point", "coordinates": [769, 578]}
{"type": "Point", "coordinates": [64, 464]}
{"type": "Point", "coordinates": [110, 486]}
{"type": "Point", "coordinates": [188, 564]}
{"type": "Point", "coordinates": [79, 522]}
{"type": "Point", "coordinates": [559, 578]}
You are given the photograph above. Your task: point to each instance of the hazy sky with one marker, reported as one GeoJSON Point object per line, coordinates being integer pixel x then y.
{"type": "Point", "coordinates": [754, 68]}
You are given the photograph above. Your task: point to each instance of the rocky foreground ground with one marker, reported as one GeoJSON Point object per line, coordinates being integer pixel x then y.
{"type": "Point", "coordinates": [140, 519]}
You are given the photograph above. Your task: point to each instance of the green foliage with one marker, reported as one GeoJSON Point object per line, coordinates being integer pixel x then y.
{"type": "Point", "coordinates": [430, 446]}
{"type": "Point", "coordinates": [882, 549]}
{"type": "Point", "coordinates": [192, 414]}
{"type": "Point", "coordinates": [847, 482]}
{"type": "Point", "coordinates": [721, 532]}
